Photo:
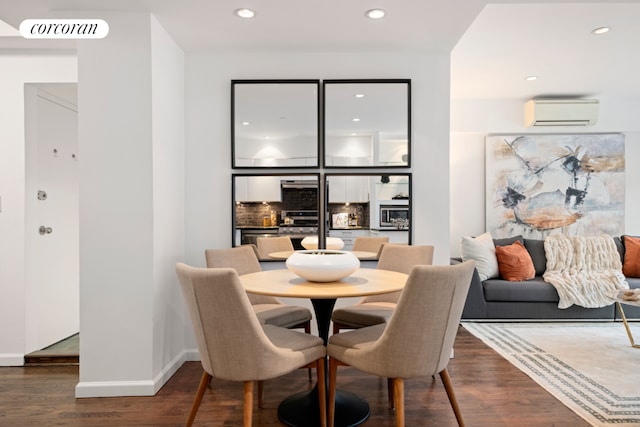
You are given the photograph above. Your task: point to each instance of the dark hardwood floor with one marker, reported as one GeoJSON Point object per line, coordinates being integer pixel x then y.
{"type": "Point", "coordinates": [491, 393]}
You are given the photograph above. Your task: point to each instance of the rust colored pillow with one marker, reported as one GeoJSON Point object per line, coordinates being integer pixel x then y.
{"type": "Point", "coordinates": [514, 262]}
{"type": "Point", "coordinates": [631, 266]}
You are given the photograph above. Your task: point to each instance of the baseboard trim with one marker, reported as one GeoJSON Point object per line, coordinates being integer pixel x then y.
{"type": "Point", "coordinates": [86, 389]}
{"type": "Point", "coordinates": [11, 359]}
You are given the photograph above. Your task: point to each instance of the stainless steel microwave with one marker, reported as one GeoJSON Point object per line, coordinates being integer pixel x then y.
{"type": "Point", "coordinates": [396, 216]}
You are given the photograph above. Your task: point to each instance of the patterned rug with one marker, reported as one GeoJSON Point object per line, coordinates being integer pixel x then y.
{"type": "Point", "coordinates": [590, 367]}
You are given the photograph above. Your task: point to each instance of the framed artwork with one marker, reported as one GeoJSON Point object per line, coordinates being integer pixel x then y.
{"type": "Point", "coordinates": [541, 184]}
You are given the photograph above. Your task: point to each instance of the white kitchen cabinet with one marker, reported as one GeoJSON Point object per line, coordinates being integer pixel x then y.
{"type": "Point", "coordinates": [258, 189]}
{"type": "Point", "coordinates": [349, 236]}
{"type": "Point", "coordinates": [348, 189]}
{"type": "Point", "coordinates": [401, 236]}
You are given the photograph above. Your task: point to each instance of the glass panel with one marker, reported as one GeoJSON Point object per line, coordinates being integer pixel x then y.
{"type": "Point", "coordinates": [365, 205]}
{"type": "Point", "coordinates": [275, 123]}
{"type": "Point", "coordinates": [367, 123]}
{"type": "Point", "coordinates": [267, 206]}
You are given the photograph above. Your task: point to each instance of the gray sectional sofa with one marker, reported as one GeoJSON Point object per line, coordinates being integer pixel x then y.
{"type": "Point", "coordinates": [533, 299]}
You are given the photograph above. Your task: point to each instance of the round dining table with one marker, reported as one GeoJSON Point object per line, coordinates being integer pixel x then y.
{"type": "Point", "coordinates": [301, 409]}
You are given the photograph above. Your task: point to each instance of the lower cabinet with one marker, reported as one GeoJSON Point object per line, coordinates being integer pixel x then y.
{"type": "Point", "coordinates": [348, 236]}
{"type": "Point", "coordinates": [400, 236]}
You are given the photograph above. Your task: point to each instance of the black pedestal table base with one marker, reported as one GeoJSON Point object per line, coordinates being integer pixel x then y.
{"type": "Point", "coordinates": [301, 409]}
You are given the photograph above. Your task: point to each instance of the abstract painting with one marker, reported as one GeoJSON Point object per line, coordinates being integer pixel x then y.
{"type": "Point", "coordinates": [540, 184]}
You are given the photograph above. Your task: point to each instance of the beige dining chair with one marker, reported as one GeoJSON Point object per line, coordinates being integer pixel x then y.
{"type": "Point", "coordinates": [270, 310]}
{"type": "Point", "coordinates": [418, 339]}
{"type": "Point", "coordinates": [375, 309]}
{"type": "Point", "coordinates": [369, 244]}
{"type": "Point", "coordinates": [267, 245]}
{"type": "Point", "coordinates": [235, 346]}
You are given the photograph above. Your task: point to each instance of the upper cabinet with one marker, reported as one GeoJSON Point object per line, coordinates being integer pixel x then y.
{"type": "Point", "coordinates": [275, 123]}
{"type": "Point", "coordinates": [367, 123]}
{"type": "Point", "coordinates": [258, 189]}
{"type": "Point", "coordinates": [348, 188]}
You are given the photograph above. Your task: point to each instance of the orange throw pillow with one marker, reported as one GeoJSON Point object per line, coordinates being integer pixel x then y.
{"type": "Point", "coordinates": [631, 266]}
{"type": "Point", "coordinates": [514, 262]}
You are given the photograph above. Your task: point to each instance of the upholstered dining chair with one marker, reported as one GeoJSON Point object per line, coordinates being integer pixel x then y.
{"type": "Point", "coordinates": [376, 309]}
{"type": "Point", "coordinates": [267, 245]}
{"type": "Point", "coordinates": [234, 345]}
{"type": "Point", "coordinates": [369, 244]}
{"type": "Point", "coordinates": [416, 342]}
{"type": "Point", "coordinates": [270, 310]}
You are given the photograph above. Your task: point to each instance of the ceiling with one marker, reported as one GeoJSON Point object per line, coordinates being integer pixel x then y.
{"type": "Point", "coordinates": [493, 48]}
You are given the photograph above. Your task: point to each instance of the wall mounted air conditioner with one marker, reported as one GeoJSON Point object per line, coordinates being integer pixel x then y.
{"type": "Point", "coordinates": [560, 112]}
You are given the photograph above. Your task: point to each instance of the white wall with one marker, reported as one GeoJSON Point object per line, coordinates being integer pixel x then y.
{"type": "Point", "coordinates": [131, 207]}
{"type": "Point", "coordinates": [15, 71]}
{"type": "Point", "coordinates": [472, 120]}
{"type": "Point", "coordinates": [167, 92]}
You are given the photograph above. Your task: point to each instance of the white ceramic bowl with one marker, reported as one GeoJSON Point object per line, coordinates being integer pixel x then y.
{"type": "Point", "coordinates": [323, 265]}
{"type": "Point", "coordinates": [311, 242]}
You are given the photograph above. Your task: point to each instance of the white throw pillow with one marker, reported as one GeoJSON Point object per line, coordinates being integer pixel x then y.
{"type": "Point", "coordinates": [482, 250]}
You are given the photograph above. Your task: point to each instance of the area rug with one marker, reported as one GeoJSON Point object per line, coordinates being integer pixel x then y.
{"type": "Point", "coordinates": [590, 367]}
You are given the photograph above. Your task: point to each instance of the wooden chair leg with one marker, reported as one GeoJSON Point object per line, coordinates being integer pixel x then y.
{"type": "Point", "coordinates": [248, 403]}
{"type": "Point", "coordinates": [448, 386]}
{"type": "Point", "coordinates": [333, 370]}
{"type": "Point", "coordinates": [390, 392]}
{"type": "Point", "coordinates": [204, 382]}
{"type": "Point", "coordinates": [398, 399]}
{"type": "Point", "coordinates": [260, 394]}
{"type": "Point", "coordinates": [322, 391]}
{"type": "Point", "coordinates": [307, 330]}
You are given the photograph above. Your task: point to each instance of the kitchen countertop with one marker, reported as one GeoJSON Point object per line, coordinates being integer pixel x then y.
{"type": "Point", "coordinates": [390, 229]}
{"type": "Point", "coordinates": [257, 227]}
{"type": "Point", "coordinates": [349, 228]}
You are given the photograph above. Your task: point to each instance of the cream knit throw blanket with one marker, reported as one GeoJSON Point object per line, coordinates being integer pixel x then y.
{"type": "Point", "coordinates": [583, 269]}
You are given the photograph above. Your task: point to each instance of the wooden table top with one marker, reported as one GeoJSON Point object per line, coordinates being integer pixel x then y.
{"type": "Point", "coordinates": [284, 283]}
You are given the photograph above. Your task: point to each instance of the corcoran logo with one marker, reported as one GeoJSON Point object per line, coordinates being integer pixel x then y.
{"type": "Point", "coordinates": [64, 29]}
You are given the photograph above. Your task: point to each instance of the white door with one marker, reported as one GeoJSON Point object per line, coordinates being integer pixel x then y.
{"type": "Point", "coordinates": [52, 226]}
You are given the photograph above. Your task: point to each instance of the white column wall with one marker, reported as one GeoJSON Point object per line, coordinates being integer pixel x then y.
{"type": "Point", "coordinates": [473, 119]}
{"type": "Point", "coordinates": [16, 69]}
{"type": "Point", "coordinates": [127, 281]}
{"type": "Point", "coordinates": [167, 92]}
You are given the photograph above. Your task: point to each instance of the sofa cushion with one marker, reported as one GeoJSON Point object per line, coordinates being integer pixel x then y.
{"type": "Point", "coordinates": [620, 246]}
{"type": "Point", "coordinates": [483, 252]}
{"type": "Point", "coordinates": [631, 265]}
{"type": "Point", "coordinates": [514, 262]}
{"type": "Point", "coordinates": [506, 241]}
{"type": "Point", "coordinates": [535, 248]}
{"type": "Point", "coordinates": [534, 290]}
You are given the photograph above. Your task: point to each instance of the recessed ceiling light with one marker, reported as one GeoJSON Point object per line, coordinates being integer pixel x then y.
{"type": "Point", "coordinates": [355, 119]}
{"type": "Point", "coordinates": [245, 13]}
{"type": "Point", "coordinates": [359, 95]}
{"type": "Point", "coordinates": [531, 78]}
{"type": "Point", "coordinates": [375, 13]}
{"type": "Point", "coordinates": [601, 30]}
{"type": "Point", "coordinates": [245, 123]}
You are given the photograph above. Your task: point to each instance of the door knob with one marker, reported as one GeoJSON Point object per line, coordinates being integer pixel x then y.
{"type": "Point", "coordinates": [44, 230]}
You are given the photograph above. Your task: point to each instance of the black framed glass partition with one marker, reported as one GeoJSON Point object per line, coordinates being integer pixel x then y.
{"type": "Point", "coordinates": [275, 205]}
{"type": "Point", "coordinates": [275, 123]}
{"type": "Point", "coordinates": [367, 123]}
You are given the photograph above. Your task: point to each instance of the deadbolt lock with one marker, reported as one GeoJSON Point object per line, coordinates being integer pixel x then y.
{"type": "Point", "coordinates": [45, 230]}
{"type": "Point", "coordinates": [42, 195]}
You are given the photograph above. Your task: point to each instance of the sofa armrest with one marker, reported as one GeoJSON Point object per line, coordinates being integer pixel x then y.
{"type": "Point", "coordinates": [476, 306]}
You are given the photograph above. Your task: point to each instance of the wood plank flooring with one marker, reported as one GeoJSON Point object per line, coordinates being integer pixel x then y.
{"type": "Point", "coordinates": [491, 393]}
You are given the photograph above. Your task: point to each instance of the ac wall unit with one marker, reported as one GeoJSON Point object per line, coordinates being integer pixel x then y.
{"type": "Point", "coordinates": [560, 112]}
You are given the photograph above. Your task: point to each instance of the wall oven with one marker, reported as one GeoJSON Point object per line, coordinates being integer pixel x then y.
{"type": "Point", "coordinates": [393, 214]}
